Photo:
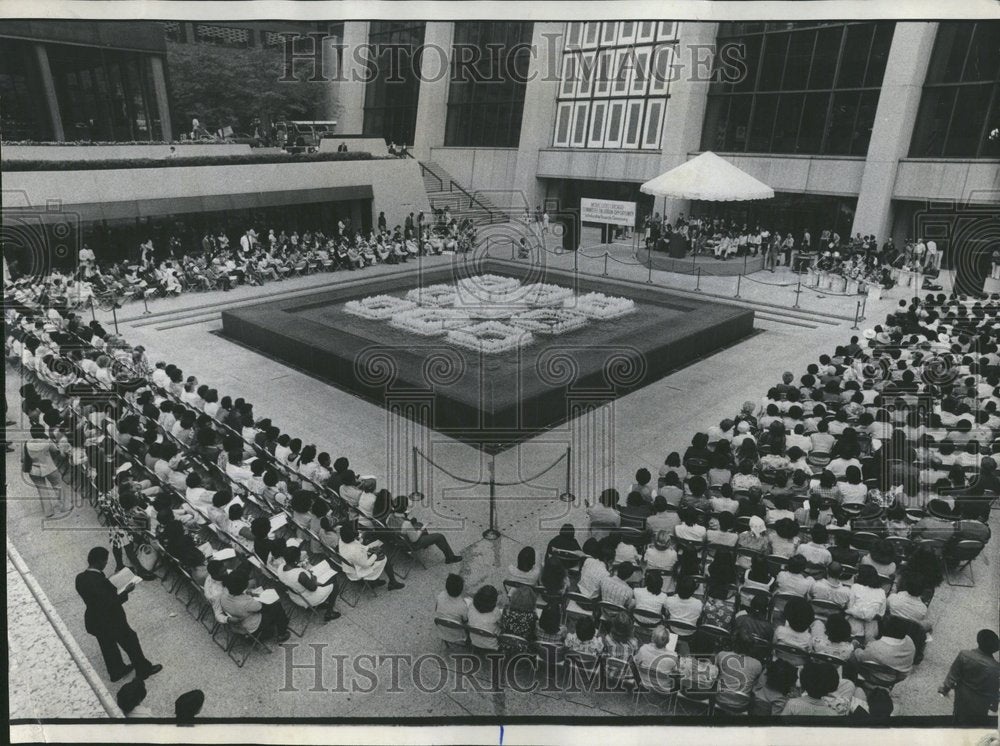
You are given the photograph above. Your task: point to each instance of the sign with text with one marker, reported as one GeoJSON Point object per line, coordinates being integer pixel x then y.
{"type": "Point", "coordinates": [607, 211]}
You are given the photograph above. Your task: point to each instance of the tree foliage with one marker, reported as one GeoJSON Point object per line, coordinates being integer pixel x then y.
{"type": "Point", "coordinates": [231, 87]}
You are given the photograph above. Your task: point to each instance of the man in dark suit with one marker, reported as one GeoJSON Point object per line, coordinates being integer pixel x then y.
{"type": "Point", "coordinates": [105, 619]}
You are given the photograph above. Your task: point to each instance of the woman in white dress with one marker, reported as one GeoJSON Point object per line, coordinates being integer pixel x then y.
{"type": "Point", "coordinates": [307, 590]}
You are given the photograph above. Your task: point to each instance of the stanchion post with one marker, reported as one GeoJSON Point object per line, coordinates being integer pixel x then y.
{"type": "Point", "coordinates": [491, 533]}
{"type": "Point", "coordinates": [697, 286]}
{"type": "Point", "coordinates": [857, 312]}
{"type": "Point", "coordinates": [605, 264]}
{"type": "Point", "coordinates": [798, 289]}
{"type": "Point", "coordinates": [114, 315]}
{"type": "Point", "coordinates": [745, 256]}
{"type": "Point", "coordinates": [739, 279]}
{"type": "Point", "coordinates": [649, 266]}
{"type": "Point", "coordinates": [864, 307]}
{"type": "Point", "coordinates": [567, 496]}
{"type": "Point", "coordinates": [145, 305]}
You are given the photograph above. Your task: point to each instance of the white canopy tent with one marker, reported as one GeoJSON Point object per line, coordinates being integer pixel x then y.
{"type": "Point", "coordinates": [707, 177]}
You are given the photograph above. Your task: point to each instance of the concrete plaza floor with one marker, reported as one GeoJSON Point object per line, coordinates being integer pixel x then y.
{"type": "Point", "coordinates": [636, 430]}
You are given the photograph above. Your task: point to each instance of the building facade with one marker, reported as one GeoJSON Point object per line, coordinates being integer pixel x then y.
{"type": "Point", "coordinates": [871, 127]}
{"type": "Point", "coordinates": [96, 81]}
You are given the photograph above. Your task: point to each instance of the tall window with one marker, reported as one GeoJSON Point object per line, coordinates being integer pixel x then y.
{"type": "Point", "coordinates": [960, 105]}
{"type": "Point", "coordinates": [391, 95]}
{"type": "Point", "coordinates": [104, 94]}
{"type": "Point", "coordinates": [489, 72]}
{"type": "Point", "coordinates": [808, 88]}
{"type": "Point", "coordinates": [615, 83]}
{"type": "Point", "coordinates": [22, 113]}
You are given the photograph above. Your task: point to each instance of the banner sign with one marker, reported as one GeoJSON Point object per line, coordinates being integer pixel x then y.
{"type": "Point", "coordinates": [607, 211]}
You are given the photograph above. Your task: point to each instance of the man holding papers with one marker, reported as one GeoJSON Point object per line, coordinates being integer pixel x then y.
{"type": "Point", "coordinates": [105, 618]}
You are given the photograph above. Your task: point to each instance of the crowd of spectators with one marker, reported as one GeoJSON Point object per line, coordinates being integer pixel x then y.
{"type": "Point", "coordinates": [860, 261]}
{"type": "Point", "coordinates": [784, 564]}
{"type": "Point", "coordinates": [253, 259]}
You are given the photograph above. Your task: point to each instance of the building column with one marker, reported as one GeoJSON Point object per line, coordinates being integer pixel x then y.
{"type": "Point", "coordinates": [162, 100]}
{"type": "Point", "coordinates": [435, 79]}
{"type": "Point", "coordinates": [539, 114]}
{"type": "Point", "coordinates": [685, 113]}
{"type": "Point", "coordinates": [49, 90]}
{"type": "Point", "coordinates": [895, 117]}
{"type": "Point", "coordinates": [346, 94]}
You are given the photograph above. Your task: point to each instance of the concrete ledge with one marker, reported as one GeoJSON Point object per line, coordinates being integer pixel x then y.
{"type": "Point", "coordinates": [44, 647]}
{"type": "Point", "coordinates": [115, 152]}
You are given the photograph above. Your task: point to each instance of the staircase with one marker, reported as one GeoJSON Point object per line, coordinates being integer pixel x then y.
{"type": "Point", "coordinates": [444, 193]}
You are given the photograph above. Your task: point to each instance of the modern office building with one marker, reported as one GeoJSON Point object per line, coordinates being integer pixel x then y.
{"type": "Point", "coordinates": [97, 81]}
{"type": "Point", "coordinates": [878, 127]}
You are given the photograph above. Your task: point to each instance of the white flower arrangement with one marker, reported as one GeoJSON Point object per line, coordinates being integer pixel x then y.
{"type": "Point", "coordinates": [549, 321]}
{"type": "Point", "coordinates": [433, 295]}
{"type": "Point", "coordinates": [542, 295]}
{"type": "Point", "coordinates": [600, 306]}
{"type": "Point", "coordinates": [489, 283]}
{"type": "Point", "coordinates": [378, 307]}
{"type": "Point", "coordinates": [429, 322]}
{"type": "Point", "coordinates": [490, 337]}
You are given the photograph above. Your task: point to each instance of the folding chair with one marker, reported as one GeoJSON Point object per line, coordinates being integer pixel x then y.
{"type": "Point", "coordinates": [510, 585]}
{"type": "Point", "coordinates": [572, 561]}
{"type": "Point", "coordinates": [451, 632]}
{"type": "Point", "coordinates": [236, 637]}
{"type": "Point", "coordinates": [303, 608]}
{"type": "Point", "coordinates": [790, 653]}
{"type": "Point", "coordinates": [864, 540]}
{"type": "Point", "coordinates": [609, 611]}
{"type": "Point", "coordinates": [778, 601]}
{"type": "Point", "coordinates": [655, 687]}
{"type": "Point", "coordinates": [873, 675]}
{"type": "Point", "coordinates": [734, 703]}
{"type": "Point", "coordinates": [959, 556]}
{"type": "Point", "coordinates": [550, 659]}
{"type": "Point", "coordinates": [714, 636]}
{"type": "Point", "coordinates": [588, 667]}
{"type": "Point", "coordinates": [824, 608]}
{"type": "Point", "coordinates": [645, 622]}
{"type": "Point", "coordinates": [826, 658]}
{"type": "Point", "coordinates": [692, 698]}
{"type": "Point", "coordinates": [482, 639]}
{"type": "Point", "coordinates": [902, 546]}
{"type": "Point", "coordinates": [578, 606]}
{"type": "Point", "coordinates": [619, 673]}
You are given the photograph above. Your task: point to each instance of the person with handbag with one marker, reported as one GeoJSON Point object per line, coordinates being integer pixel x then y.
{"type": "Point", "coordinates": [38, 463]}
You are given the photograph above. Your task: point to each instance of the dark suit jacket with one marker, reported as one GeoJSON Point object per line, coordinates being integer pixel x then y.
{"type": "Point", "coordinates": [104, 615]}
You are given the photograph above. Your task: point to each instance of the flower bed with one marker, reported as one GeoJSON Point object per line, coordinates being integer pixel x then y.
{"type": "Point", "coordinates": [549, 321]}
{"type": "Point", "coordinates": [485, 289]}
{"type": "Point", "coordinates": [378, 307]}
{"type": "Point", "coordinates": [429, 322]}
{"type": "Point", "coordinates": [490, 337]}
{"type": "Point", "coordinates": [541, 295]}
{"type": "Point", "coordinates": [433, 295]}
{"type": "Point", "coordinates": [600, 306]}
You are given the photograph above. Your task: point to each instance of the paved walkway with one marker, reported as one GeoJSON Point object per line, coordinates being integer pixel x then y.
{"type": "Point", "coordinates": [46, 677]}
{"type": "Point", "coordinates": [636, 430]}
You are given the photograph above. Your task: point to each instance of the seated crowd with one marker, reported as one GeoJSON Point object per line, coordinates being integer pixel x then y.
{"type": "Point", "coordinates": [203, 485]}
{"type": "Point", "coordinates": [252, 260]}
{"type": "Point", "coordinates": [797, 544]}
{"type": "Point", "coordinates": [784, 564]}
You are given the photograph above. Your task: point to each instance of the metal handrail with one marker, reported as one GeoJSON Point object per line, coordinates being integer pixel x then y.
{"type": "Point", "coordinates": [425, 170]}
